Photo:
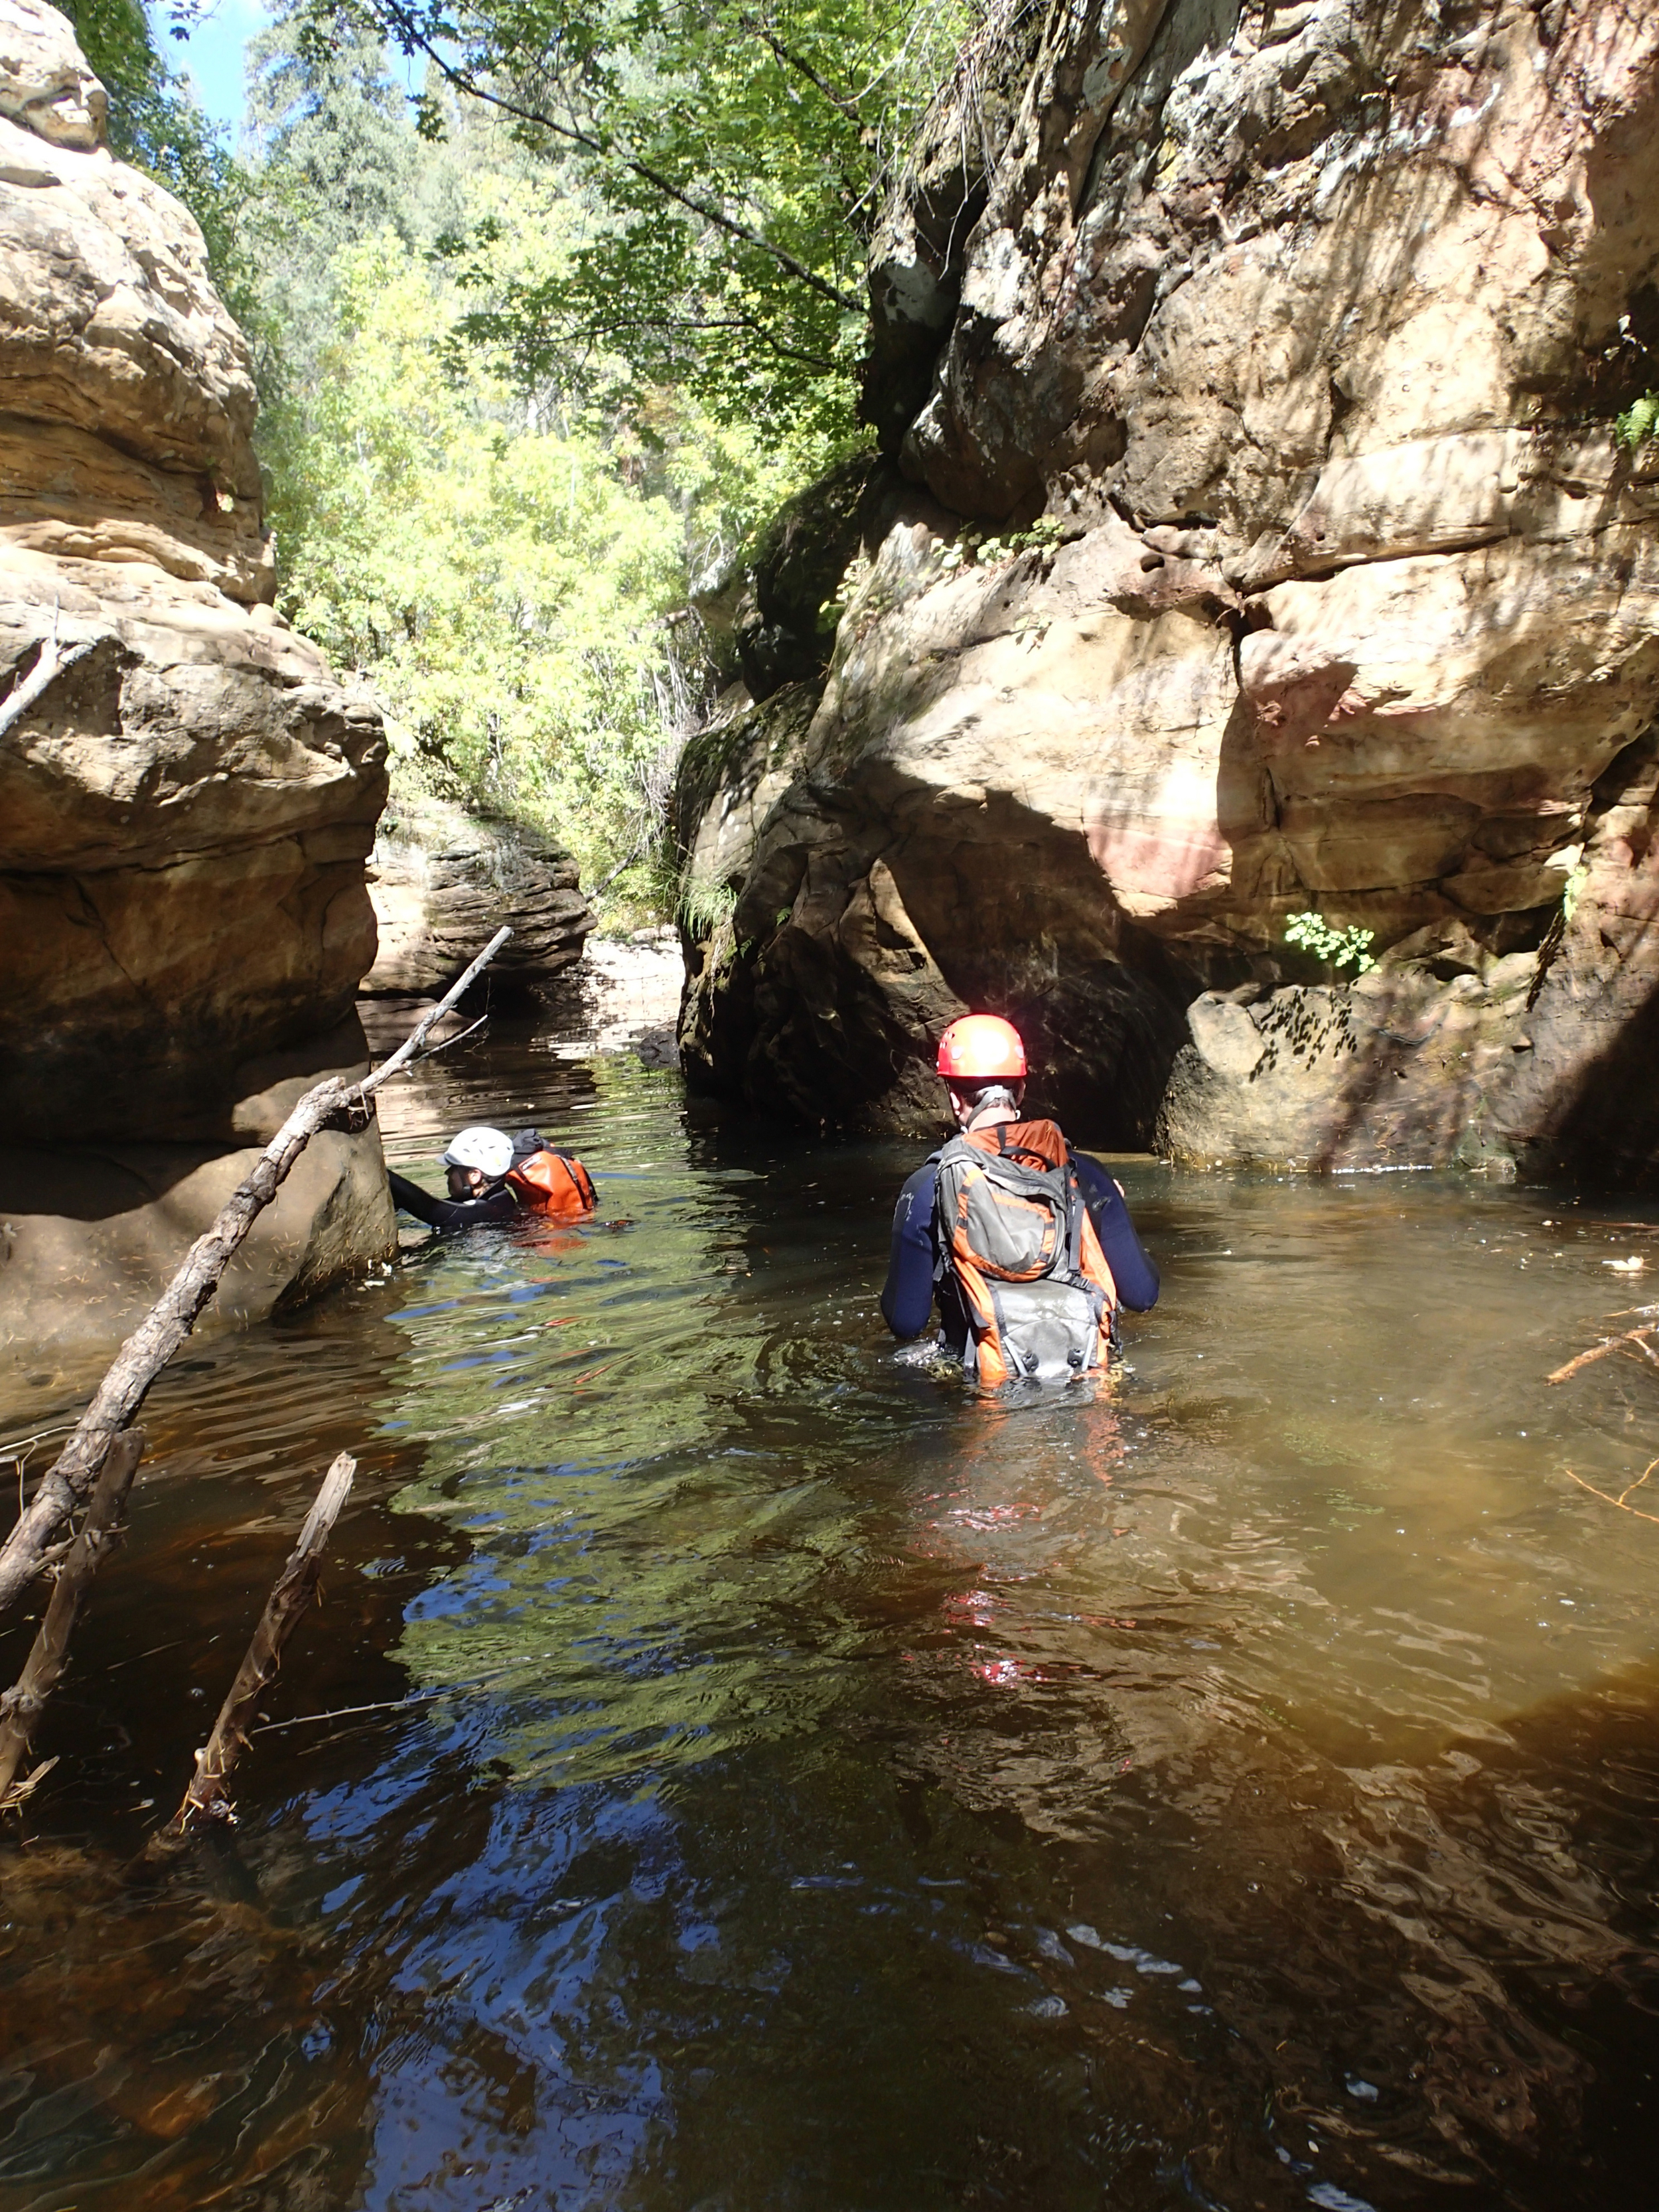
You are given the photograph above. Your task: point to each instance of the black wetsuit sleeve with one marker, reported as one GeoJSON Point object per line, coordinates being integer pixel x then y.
{"type": "Point", "coordinates": [1132, 1270]}
{"type": "Point", "coordinates": [451, 1212]}
{"type": "Point", "coordinates": [907, 1299]}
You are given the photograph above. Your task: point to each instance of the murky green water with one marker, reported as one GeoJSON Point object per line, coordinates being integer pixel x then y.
{"type": "Point", "coordinates": [782, 1782]}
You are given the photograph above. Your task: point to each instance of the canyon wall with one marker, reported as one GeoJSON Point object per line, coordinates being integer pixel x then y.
{"type": "Point", "coordinates": [1250, 536]}
{"type": "Point", "coordinates": [443, 881]}
{"type": "Point", "coordinates": [186, 804]}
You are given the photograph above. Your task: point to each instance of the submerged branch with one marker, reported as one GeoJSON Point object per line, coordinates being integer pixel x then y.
{"type": "Point", "coordinates": [1607, 1496]}
{"type": "Point", "coordinates": [291, 1592]}
{"type": "Point", "coordinates": [1608, 1344]}
{"type": "Point", "coordinates": [23, 1705]}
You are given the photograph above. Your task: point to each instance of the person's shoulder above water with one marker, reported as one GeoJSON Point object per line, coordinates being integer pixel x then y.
{"type": "Point", "coordinates": [906, 1297]}
{"type": "Point", "coordinates": [916, 1197]}
{"type": "Point", "coordinates": [1134, 1271]}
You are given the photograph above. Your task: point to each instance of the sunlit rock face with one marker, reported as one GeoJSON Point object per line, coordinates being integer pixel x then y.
{"type": "Point", "coordinates": [186, 809]}
{"type": "Point", "coordinates": [1298, 333]}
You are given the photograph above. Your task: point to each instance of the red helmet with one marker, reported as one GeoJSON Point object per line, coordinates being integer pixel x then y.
{"type": "Point", "coordinates": [979, 1048]}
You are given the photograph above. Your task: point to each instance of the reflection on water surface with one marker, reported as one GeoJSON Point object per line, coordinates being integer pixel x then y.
{"type": "Point", "coordinates": [774, 1779]}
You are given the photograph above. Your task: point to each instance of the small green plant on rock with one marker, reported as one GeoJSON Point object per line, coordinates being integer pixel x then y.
{"type": "Point", "coordinates": [1338, 948]}
{"type": "Point", "coordinates": [1639, 422]}
{"type": "Point", "coordinates": [987, 550]}
{"type": "Point", "coordinates": [705, 907]}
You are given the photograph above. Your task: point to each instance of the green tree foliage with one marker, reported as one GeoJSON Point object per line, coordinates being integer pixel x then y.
{"type": "Point", "coordinates": [507, 588]}
{"type": "Point", "coordinates": [338, 162]}
{"type": "Point", "coordinates": [729, 154]}
{"type": "Point", "coordinates": [507, 559]}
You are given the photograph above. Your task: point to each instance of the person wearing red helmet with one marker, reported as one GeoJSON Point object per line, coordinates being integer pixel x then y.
{"type": "Point", "coordinates": [1026, 1245]}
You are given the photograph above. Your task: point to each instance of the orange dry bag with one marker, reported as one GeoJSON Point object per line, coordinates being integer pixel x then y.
{"type": "Point", "coordinates": [1035, 1283]}
{"type": "Point", "coordinates": [553, 1183]}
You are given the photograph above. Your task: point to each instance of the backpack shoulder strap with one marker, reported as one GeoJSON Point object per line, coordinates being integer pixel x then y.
{"type": "Point", "coordinates": [579, 1174]}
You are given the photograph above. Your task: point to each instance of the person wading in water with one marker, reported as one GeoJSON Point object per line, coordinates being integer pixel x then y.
{"type": "Point", "coordinates": [1027, 1246]}
{"type": "Point", "coordinates": [495, 1178]}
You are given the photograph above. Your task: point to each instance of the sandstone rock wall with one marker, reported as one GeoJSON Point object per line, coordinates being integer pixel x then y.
{"type": "Point", "coordinates": [443, 882]}
{"type": "Point", "coordinates": [1267, 547]}
{"type": "Point", "coordinates": [186, 809]}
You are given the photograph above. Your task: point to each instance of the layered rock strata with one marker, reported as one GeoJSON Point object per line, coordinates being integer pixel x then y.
{"type": "Point", "coordinates": [186, 807]}
{"type": "Point", "coordinates": [443, 882]}
{"type": "Point", "coordinates": [1267, 547]}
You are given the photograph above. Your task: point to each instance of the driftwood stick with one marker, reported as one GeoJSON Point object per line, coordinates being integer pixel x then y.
{"type": "Point", "coordinates": [48, 668]}
{"type": "Point", "coordinates": [172, 1316]}
{"type": "Point", "coordinates": [23, 1705]}
{"type": "Point", "coordinates": [459, 1037]}
{"type": "Point", "coordinates": [291, 1592]}
{"type": "Point", "coordinates": [1600, 1351]}
{"type": "Point", "coordinates": [1607, 1497]}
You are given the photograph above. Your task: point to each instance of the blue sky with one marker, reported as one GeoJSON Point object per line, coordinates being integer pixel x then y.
{"type": "Point", "coordinates": [212, 55]}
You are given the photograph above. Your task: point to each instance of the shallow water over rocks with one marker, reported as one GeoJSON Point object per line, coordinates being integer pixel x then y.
{"type": "Point", "coordinates": [752, 1773]}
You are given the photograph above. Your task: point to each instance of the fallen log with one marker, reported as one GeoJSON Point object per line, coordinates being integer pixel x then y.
{"type": "Point", "coordinates": [170, 1320]}
{"type": "Point", "coordinates": [22, 1705]}
{"type": "Point", "coordinates": [291, 1592]}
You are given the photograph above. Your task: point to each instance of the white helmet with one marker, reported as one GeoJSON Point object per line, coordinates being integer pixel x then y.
{"type": "Point", "coordinates": [488, 1150]}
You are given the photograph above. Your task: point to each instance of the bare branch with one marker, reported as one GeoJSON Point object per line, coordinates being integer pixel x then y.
{"type": "Point", "coordinates": [23, 1705]}
{"type": "Point", "coordinates": [1608, 1344]}
{"type": "Point", "coordinates": [1607, 1496]}
{"type": "Point", "coordinates": [45, 671]}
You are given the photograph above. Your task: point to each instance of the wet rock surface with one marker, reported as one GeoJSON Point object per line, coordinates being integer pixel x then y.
{"type": "Point", "coordinates": [186, 805]}
{"type": "Point", "coordinates": [1268, 548]}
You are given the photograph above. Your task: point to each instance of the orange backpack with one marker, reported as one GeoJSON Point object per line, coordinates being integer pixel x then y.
{"type": "Point", "coordinates": [553, 1183]}
{"type": "Point", "coordinates": [1017, 1237]}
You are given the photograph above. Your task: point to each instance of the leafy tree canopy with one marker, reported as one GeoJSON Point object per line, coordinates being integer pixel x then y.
{"type": "Point", "coordinates": [334, 161]}
{"type": "Point", "coordinates": [508, 563]}
{"type": "Point", "coordinates": [728, 153]}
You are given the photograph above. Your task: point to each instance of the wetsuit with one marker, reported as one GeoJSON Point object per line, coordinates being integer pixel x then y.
{"type": "Point", "coordinates": [913, 1272]}
{"type": "Point", "coordinates": [498, 1203]}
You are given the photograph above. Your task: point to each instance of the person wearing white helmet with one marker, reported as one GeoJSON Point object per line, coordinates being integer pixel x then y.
{"type": "Point", "coordinates": [495, 1178]}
